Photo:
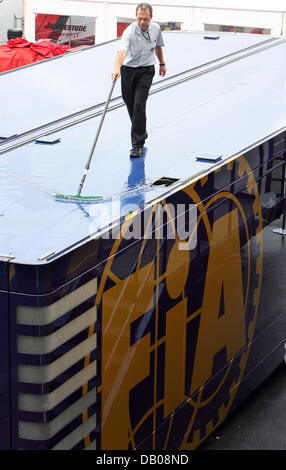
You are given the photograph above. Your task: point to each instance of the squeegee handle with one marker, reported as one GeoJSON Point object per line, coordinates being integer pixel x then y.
{"type": "Point", "coordinates": [96, 137]}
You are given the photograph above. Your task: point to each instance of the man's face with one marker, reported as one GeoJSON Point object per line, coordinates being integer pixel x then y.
{"type": "Point", "coordinates": [143, 19]}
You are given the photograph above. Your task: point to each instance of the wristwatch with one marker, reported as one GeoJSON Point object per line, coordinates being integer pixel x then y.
{"type": "Point", "coordinates": [162, 65]}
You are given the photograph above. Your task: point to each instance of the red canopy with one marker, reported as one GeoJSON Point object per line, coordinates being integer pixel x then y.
{"type": "Point", "coordinates": [18, 52]}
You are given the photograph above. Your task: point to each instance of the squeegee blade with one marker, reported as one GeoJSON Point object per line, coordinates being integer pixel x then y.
{"type": "Point", "coordinates": [77, 198]}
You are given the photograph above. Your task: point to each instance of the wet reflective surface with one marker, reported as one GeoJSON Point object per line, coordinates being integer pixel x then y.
{"type": "Point", "coordinates": [47, 91]}
{"type": "Point", "coordinates": [208, 114]}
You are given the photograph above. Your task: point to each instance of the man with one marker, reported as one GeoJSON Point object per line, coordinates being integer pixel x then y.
{"type": "Point", "coordinates": [135, 59]}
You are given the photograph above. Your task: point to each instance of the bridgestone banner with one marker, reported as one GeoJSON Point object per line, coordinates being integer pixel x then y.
{"type": "Point", "coordinates": [72, 30]}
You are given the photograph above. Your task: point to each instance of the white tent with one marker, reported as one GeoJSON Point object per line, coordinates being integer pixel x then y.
{"type": "Point", "coordinates": [194, 15]}
{"type": "Point", "coordinates": [10, 17]}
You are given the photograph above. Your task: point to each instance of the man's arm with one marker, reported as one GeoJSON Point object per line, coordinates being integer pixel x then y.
{"type": "Point", "coordinates": [159, 54]}
{"type": "Point", "coordinates": [118, 62]}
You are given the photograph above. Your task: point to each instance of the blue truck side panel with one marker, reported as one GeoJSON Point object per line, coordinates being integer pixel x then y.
{"type": "Point", "coordinates": [5, 423]}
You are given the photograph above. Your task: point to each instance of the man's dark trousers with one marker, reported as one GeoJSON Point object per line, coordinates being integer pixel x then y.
{"type": "Point", "coordinates": [135, 86]}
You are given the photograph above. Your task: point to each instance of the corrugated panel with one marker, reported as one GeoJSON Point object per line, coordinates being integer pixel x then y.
{"type": "Point", "coordinates": [56, 372]}
{"type": "Point", "coordinates": [5, 410]}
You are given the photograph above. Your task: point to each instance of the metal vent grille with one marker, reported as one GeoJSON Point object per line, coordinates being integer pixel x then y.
{"type": "Point", "coordinates": [57, 372]}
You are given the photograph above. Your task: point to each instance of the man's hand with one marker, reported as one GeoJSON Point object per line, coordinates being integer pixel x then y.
{"type": "Point", "coordinates": [159, 54]}
{"type": "Point", "coordinates": [118, 62]}
{"type": "Point", "coordinates": [115, 75]}
{"type": "Point", "coordinates": [162, 70]}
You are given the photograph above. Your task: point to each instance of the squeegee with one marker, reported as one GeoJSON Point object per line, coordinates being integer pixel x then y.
{"type": "Point", "coordinates": [77, 197]}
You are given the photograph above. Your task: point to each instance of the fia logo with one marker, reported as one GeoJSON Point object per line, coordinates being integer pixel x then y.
{"type": "Point", "coordinates": [177, 324]}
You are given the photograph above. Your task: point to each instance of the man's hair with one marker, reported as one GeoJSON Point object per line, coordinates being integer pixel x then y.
{"type": "Point", "coordinates": [145, 6]}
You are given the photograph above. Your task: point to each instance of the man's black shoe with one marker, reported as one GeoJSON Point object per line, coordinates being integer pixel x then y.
{"type": "Point", "coordinates": [136, 152]}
